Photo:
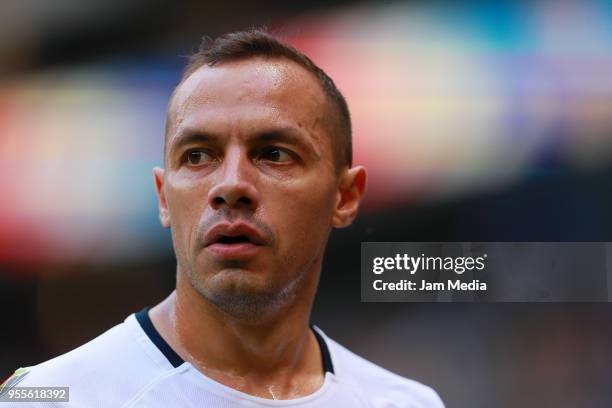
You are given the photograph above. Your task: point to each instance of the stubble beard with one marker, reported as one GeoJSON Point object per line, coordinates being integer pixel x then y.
{"type": "Point", "coordinates": [256, 306]}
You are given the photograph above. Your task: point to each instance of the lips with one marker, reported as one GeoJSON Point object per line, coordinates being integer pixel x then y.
{"type": "Point", "coordinates": [226, 233]}
{"type": "Point", "coordinates": [233, 240]}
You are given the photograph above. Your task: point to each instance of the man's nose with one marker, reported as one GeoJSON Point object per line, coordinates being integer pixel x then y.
{"type": "Point", "coordinates": [234, 186]}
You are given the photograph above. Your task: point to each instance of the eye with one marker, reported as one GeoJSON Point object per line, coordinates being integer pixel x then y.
{"type": "Point", "coordinates": [276, 154]}
{"type": "Point", "coordinates": [197, 157]}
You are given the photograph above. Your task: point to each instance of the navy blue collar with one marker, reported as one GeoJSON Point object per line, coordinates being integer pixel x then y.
{"type": "Point", "coordinates": [145, 322]}
{"type": "Point", "coordinates": [147, 325]}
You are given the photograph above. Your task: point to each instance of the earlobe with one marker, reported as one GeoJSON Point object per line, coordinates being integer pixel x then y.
{"type": "Point", "coordinates": [164, 215]}
{"type": "Point", "coordinates": [351, 189]}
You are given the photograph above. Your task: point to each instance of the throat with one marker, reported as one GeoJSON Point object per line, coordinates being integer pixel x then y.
{"type": "Point", "coordinates": [271, 389]}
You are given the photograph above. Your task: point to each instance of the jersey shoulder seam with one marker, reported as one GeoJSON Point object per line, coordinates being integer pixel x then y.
{"type": "Point", "coordinates": [140, 393]}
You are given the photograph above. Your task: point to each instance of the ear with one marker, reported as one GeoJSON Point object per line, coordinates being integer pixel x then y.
{"type": "Point", "coordinates": [164, 215]}
{"type": "Point", "coordinates": [351, 188]}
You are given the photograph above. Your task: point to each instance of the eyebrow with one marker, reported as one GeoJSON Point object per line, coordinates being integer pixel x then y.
{"type": "Point", "coordinates": [289, 135]}
{"type": "Point", "coordinates": [191, 137]}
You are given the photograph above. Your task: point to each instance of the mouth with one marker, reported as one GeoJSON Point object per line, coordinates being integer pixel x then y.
{"type": "Point", "coordinates": [233, 241]}
{"type": "Point", "coordinates": [229, 240]}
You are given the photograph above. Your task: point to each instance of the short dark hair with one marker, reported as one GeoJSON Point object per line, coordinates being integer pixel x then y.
{"type": "Point", "coordinates": [257, 42]}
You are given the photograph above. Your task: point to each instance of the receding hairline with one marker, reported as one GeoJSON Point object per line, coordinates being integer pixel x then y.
{"type": "Point", "coordinates": [336, 126]}
{"type": "Point", "coordinates": [267, 58]}
{"type": "Point", "coordinates": [258, 42]}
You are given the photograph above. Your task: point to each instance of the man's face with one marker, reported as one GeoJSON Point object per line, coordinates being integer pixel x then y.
{"type": "Point", "coordinates": [250, 189]}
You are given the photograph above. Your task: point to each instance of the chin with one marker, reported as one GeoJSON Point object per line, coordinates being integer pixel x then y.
{"type": "Point", "coordinates": [247, 295]}
{"type": "Point", "coordinates": [249, 304]}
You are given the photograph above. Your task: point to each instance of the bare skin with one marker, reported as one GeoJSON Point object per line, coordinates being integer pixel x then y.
{"type": "Point", "coordinates": [249, 152]}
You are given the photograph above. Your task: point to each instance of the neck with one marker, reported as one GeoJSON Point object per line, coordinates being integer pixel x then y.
{"type": "Point", "coordinates": [275, 358]}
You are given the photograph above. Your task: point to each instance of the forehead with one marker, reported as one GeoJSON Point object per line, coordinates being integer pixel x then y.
{"type": "Point", "coordinates": [250, 91]}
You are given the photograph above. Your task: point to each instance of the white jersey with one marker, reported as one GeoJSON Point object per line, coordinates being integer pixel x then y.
{"type": "Point", "coordinates": [131, 366]}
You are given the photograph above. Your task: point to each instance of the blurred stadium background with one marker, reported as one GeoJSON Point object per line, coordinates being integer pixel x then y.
{"type": "Point", "coordinates": [478, 121]}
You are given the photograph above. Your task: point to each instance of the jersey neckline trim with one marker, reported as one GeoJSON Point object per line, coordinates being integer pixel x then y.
{"type": "Point", "coordinates": [325, 355]}
{"type": "Point", "coordinates": [147, 326]}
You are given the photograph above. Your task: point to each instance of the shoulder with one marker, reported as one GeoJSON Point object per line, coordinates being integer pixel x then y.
{"type": "Point", "coordinates": [380, 386]}
{"type": "Point", "coordinates": [112, 368]}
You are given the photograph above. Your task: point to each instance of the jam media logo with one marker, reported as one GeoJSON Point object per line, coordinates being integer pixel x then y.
{"type": "Point", "coordinates": [13, 380]}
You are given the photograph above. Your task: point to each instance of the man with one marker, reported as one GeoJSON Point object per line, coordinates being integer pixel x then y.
{"type": "Point", "coordinates": [257, 170]}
